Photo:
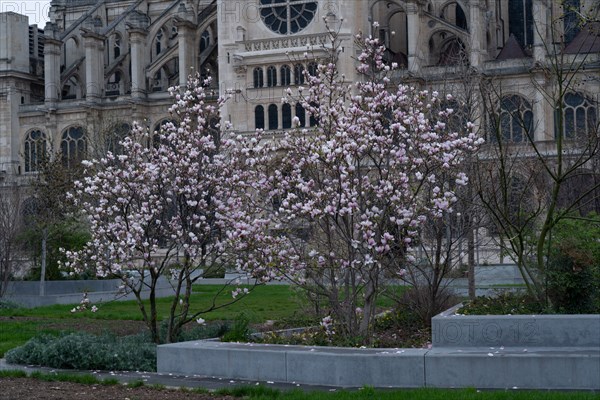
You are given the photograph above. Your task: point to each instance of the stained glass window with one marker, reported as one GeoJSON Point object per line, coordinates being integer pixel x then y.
{"type": "Point", "coordinates": [35, 150]}
{"type": "Point", "coordinates": [287, 16]}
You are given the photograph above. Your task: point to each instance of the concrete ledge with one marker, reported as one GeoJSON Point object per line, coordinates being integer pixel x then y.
{"type": "Point", "coordinates": [26, 294]}
{"type": "Point", "coordinates": [496, 352]}
{"type": "Point", "coordinates": [344, 367]}
{"type": "Point", "coordinates": [452, 330]}
{"type": "Point", "coordinates": [523, 368]}
{"type": "Point", "coordinates": [482, 367]}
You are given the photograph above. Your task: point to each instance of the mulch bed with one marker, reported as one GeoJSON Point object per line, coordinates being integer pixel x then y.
{"type": "Point", "coordinates": [27, 388]}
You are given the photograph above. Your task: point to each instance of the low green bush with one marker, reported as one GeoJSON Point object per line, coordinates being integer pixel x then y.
{"type": "Point", "coordinates": [82, 350]}
{"type": "Point", "coordinates": [8, 305]}
{"type": "Point", "coordinates": [199, 332]}
{"type": "Point", "coordinates": [573, 273]}
{"type": "Point", "coordinates": [239, 331]}
{"type": "Point", "coordinates": [85, 351]}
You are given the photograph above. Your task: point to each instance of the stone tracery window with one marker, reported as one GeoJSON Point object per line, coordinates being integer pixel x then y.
{"type": "Point", "coordinates": [73, 145]}
{"type": "Point", "coordinates": [35, 150]}
{"type": "Point", "coordinates": [159, 41]}
{"type": "Point", "coordinates": [119, 133]}
{"type": "Point", "coordinates": [116, 46]}
{"type": "Point", "coordinates": [516, 119]}
{"type": "Point", "coordinates": [204, 41]}
{"type": "Point", "coordinates": [287, 16]}
{"type": "Point", "coordinates": [520, 22]}
{"type": "Point", "coordinates": [571, 19]}
{"type": "Point", "coordinates": [580, 115]}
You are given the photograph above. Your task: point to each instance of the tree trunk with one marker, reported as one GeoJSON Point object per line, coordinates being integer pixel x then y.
{"type": "Point", "coordinates": [43, 272]}
{"type": "Point", "coordinates": [471, 261]}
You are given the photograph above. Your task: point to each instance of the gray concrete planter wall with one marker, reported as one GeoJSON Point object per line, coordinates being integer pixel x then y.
{"type": "Point", "coordinates": [452, 330]}
{"type": "Point", "coordinates": [26, 293]}
{"type": "Point", "coordinates": [549, 352]}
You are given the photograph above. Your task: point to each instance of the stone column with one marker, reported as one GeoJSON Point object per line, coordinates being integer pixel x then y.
{"type": "Point", "coordinates": [52, 52]}
{"type": "Point", "coordinates": [414, 39]}
{"type": "Point", "coordinates": [94, 65]}
{"type": "Point", "coordinates": [477, 30]}
{"type": "Point", "coordinates": [187, 51]}
{"type": "Point", "coordinates": [137, 40]}
{"type": "Point", "coordinates": [543, 114]}
{"type": "Point", "coordinates": [541, 15]}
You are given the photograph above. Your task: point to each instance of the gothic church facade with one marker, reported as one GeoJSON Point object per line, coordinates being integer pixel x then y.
{"type": "Point", "coordinates": [75, 87]}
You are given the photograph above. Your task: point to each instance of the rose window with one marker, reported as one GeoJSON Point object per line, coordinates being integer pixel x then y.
{"type": "Point", "coordinates": [287, 16]}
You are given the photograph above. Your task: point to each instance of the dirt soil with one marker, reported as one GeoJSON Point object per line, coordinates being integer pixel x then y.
{"type": "Point", "coordinates": [27, 388]}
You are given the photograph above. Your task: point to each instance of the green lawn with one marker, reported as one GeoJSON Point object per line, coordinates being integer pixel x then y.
{"type": "Point", "coordinates": [14, 334]}
{"type": "Point", "coordinates": [270, 302]}
{"type": "Point", "coordinates": [411, 394]}
{"type": "Point", "coordinates": [265, 302]}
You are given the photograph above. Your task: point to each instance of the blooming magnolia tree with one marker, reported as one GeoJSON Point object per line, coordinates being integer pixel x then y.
{"type": "Point", "coordinates": [350, 196]}
{"type": "Point", "coordinates": [171, 208]}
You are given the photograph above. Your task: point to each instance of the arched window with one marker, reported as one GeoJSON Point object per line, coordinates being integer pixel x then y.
{"type": "Point", "coordinates": [454, 14]}
{"type": "Point", "coordinates": [286, 116]}
{"type": "Point", "coordinates": [259, 117]}
{"type": "Point", "coordinates": [576, 190]}
{"type": "Point", "coordinates": [71, 89]}
{"type": "Point", "coordinates": [312, 69]}
{"type": "Point", "coordinates": [571, 19]}
{"type": "Point", "coordinates": [158, 45]}
{"type": "Point", "coordinates": [258, 77]}
{"type": "Point", "coordinates": [301, 114]}
{"type": "Point", "coordinates": [453, 53]}
{"type": "Point", "coordinates": [162, 127]}
{"type": "Point", "coordinates": [314, 120]}
{"type": "Point", "coordinates": [113, 87]}
{"type": "Point", "coordinates": [271, 76]}
{"type": "Point", "coordinates": [299, 74]}
{"type": "Point", "coordinates": [520, 21]}
{"type": "Point", "coordinates": [35, 150]}
{"type": "Point", "coordinates": [516, 119]}
{"type": "Point", "coordinates": [286, 75]}
{"type": "Point", "coordinates": [73, 146]}
{"type": "Point", "coordinates": [114, 138]}
{"type": "Point", "coordinates": [580, 116]}
{"type": "Point", "coordinates": [273, 117]}
{"type": "Point", "coordinates": [204, 41]}
{"type": "Point", "coordinates": [116, 46]}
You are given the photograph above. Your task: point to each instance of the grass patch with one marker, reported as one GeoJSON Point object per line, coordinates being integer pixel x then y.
{"type": "Point", "coordinates": [17, 333]}
{"type": "Point", "coordinates": [366, 393]}
{"type": "Point", "coordinates": [135, 384]}
{"type": "Point", "coordinates": [265, 302]}
{"type": "Point", "coordinates": [262, 392]}
{"type": "Point", "coordinates": [84, 379]}
{"type": "Point", "coordinates": [272, 302]}
{"type": "Point", "coordinates": [13, 374]}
